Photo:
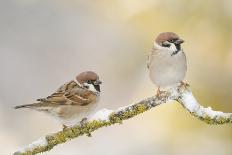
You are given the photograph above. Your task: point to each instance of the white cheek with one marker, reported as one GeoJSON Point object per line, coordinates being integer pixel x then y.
{"type": "Point", "coordinates": [91, 87]}
{"type": "Point", "coordinates": [173, 47]}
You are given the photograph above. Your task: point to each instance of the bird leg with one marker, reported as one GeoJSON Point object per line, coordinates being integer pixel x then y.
{"type": "Point", "coordinates": [82, 123]}
{"type": "Point", "coordinates": [159, 93]}
{"type": "Point", "coordinates": [64, 127]}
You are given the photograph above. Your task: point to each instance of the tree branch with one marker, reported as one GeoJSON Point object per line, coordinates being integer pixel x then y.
{"type": "Point", "coordinates": [104, 118]}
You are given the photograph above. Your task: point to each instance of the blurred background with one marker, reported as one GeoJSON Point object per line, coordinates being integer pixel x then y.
{"type": "Point", "coordinates": [43, 44]}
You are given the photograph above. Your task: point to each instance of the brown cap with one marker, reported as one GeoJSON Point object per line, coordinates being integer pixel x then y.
{"type": "Point", "coordinates": [165, 36]}
{"type": "Point", "coordinates": [85, 76]}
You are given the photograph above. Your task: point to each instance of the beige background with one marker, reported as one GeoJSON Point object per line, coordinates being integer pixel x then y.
{"type": "Point", "coordinates": [46, 43]}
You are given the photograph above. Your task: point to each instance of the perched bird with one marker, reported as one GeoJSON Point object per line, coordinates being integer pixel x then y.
{"type": "Point", "coordinates": [73, 101]}
{"type": "Point", "coordinates": [167, 61]}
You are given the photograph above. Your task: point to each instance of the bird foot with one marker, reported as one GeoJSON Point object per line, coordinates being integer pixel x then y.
{"type": "Point", "coordinates": [89, 134]}
{"type": "Point", "coordinates": [159, 93]}
{"type": "Point", "coordinates": [184, 84]}
{"type": "Point", "coordinates": [64, 127]}
{"type": "Point", "coordinates": [83, 121]}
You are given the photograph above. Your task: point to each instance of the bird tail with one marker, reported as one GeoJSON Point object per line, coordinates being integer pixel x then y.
{"type": "Point", "coordinates": [40, 106]}
{"type": "Point", "coordinates": [24, 106]}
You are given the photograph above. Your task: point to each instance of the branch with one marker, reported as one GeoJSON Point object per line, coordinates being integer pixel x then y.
{"type": "Point", "coordinates": [104, 118]}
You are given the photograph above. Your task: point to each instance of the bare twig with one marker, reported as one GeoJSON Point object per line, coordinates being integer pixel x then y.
{"type": "Point", "coordinates": [104, 118]}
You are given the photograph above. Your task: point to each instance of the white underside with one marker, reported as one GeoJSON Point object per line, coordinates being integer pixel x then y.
{"type": "Point", "coordinates": [70, 115]}
{"type": "Point", "coordinates": [166, 70]}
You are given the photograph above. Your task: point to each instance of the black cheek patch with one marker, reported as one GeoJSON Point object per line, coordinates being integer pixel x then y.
{"type": "Point", "coordinates": [178, 47]}
{"type": "Point", "coordinates": [97, 87]}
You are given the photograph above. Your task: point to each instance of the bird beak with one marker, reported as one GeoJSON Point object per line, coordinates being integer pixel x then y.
{"type": "Point", "coordinates": [97, 82]}
{"type": "Point", "coordinates": [179, 41]}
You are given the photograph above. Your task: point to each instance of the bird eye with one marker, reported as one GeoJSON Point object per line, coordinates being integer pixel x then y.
{"type": "Point", "coordinates": [89, 82]}
{"type": "Point", "coordinates": [172, 40]}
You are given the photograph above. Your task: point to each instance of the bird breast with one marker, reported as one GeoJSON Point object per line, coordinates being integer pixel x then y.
{"type": "Point", "coordinates": [166, 69]}
{"type": "Point", "coordinates": [72, 114]}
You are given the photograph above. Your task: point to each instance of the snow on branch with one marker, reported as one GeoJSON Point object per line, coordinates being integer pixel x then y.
{"type": "Point", "coordinates": [104, 118]}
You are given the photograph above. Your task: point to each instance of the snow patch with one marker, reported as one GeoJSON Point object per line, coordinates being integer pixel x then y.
{"type": "Point", "coordinates": [190, 102]}
{"type": "Point", "coordinates": [212, 113]}
{"type": "Point", "coordinates": [123, 108]}
{"type": "Point", "coordinates": [193, 106]}
{"type": "Point", "coordinates": [101, 115]}
{"type": "Point", "coordinates": [40, 142]}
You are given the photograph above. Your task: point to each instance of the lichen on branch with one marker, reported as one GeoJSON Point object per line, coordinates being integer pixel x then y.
{"type": "Point", "coordinates": [105, 117]}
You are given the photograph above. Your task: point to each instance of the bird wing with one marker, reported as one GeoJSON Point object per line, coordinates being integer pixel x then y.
{"type": "Point", "coordinates": [70, 94]}
{"type": "Point", "coordinates": [149, 57]}
{"type": "Point", "coordinates": [148, 61]}
{"type": "Point", "coordinates": [67, 86]}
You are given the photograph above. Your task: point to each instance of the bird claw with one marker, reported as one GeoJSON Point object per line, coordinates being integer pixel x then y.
{"type": "Point", "coordinates": [184, 84]}
{"type": "Point", "coordinates": [83, 121]}
{"type": "Point", "coordinates": [159, 93]}
{"type": "Point", "coordinates": [89, 134]}
{"type": "Point", "coordinates": [64, 127]}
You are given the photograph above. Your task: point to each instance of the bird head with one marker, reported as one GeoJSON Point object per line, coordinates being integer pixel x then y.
{"type": "Point", "coordinates": [89, 80]}
{"type": "Point", "coordinates": [168, 41]}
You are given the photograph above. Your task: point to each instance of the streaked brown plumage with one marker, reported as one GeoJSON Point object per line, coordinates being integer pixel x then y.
{"type": "Point", "coordinates": [72, 101]}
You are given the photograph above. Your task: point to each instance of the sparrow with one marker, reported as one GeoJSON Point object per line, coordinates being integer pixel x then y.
{"type": "Point", "coordinates": [73, 101]}
{"type": "Point", "coordinates": [167, 61]}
